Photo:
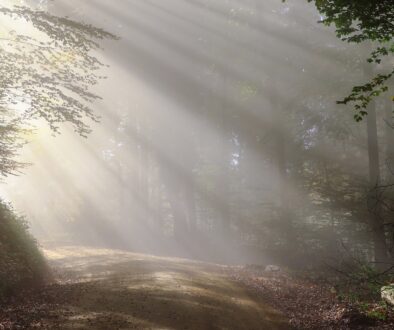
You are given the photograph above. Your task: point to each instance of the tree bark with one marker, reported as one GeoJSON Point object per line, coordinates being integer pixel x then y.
{"type": "Point", "coordinates": [389, 125]}
{"type": "Point", "coordinates": [378, 234]}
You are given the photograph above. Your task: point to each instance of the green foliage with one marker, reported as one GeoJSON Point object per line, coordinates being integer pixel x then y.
{"type": "Point", "coordinates": [359, 282]}
{"type": "Point", "coordinates": [359, 285]}
{"type": "Point", "coordinates": [361, 96]}
{"type": "Point", "coordinates": [46, 73]}
{"type": "Point", "coordinates": [359, 21]}
{"type": "Point", "coordinates": [377, 314]}
{"type": "Point", "coordinates": [21, 262]}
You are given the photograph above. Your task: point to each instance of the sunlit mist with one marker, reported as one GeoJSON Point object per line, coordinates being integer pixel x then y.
{"type": "Point", "coordinates": [216, 123]}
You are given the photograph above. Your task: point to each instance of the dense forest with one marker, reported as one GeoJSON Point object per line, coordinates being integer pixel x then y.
{"type": "Point", "coordinates": [239, 149]}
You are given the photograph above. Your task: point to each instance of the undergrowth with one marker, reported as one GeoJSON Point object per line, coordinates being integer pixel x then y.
{"type": "Point", "coordinates": [21, 262]}
{"type": "Point", "coordinates": [358, 283]}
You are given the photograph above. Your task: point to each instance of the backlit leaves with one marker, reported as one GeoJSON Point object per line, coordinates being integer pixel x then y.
{"type": "Point", "coordinates": [48, 77]}
{"type": "Point", "coordinates": [359, 21]}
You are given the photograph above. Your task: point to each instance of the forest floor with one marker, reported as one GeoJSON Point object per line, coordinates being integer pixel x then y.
{"type": "Point", "coordinates": [108, 289]}
{"type": "Point", "coordinates": [112, 289]}
{"type": "Point", "coordinates": [314, 304]}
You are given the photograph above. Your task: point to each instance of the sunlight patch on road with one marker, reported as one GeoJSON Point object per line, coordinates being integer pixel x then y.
{"type": "Point", "coordinates": [79, 252]}
{"type": "Point", "coordinates": [164, 277]}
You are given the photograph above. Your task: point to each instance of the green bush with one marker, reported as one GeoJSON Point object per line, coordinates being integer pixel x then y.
{"type": "Point", "coordinates": [21, 263]}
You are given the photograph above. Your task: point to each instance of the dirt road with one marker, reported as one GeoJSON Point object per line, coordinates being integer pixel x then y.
{"type": "Point", "coordinates": [108, 289]}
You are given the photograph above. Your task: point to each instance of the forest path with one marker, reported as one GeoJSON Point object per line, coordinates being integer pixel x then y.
{"type": "Point", "coordinates": [109, 289]}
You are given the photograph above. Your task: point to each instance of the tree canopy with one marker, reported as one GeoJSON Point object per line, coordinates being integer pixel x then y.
{"type": "Point", "coordinates": [359, 21]}
{"type": "Point", "coordinates": [45, 74]}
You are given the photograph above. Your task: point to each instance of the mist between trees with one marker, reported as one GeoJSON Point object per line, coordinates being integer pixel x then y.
{"type": "Point", "coordinates": [218, 136]}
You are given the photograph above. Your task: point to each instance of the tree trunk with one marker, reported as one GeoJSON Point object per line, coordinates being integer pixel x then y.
{"type": "Point", "coordinates": [389, 124]}
{"type": "Point", "coordinates": [190, 197]}
{"type": "Point", "coordinates": [379, 237]}
{"type": "Point", "coordinates": [224, 158]}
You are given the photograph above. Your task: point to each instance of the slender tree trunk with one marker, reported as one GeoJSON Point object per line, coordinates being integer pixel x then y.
{"type": "Point", "coordinates": [281, 163]}
{"type": "Point", "coordinates": [190, 197]}
{"type": "Point", "coordinates": [143, 172]}
{"type": "Point", "coordinates": [389, 162]}
{"type": "Point", "coordinates": [224, 159]}
{"type": "Point", "coordinates": [175, 184]}
{"type": "Point", "coordinates": [373, 148]}
{"type": "Point", "coordinates": [286, 213]}
{"type": "Point", "coordinates": [389, 124]}
{"type": "Point", "coordinates": [379, 237]}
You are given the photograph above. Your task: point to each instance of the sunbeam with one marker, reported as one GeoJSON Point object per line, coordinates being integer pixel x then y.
{"type": "Point", "coordinates": [166, 155]}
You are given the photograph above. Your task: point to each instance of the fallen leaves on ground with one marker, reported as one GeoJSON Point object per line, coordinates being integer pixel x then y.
{"type": "Point", "coordinates": [308, 305]}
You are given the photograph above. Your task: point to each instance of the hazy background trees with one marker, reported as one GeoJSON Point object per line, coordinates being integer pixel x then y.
{"type": "Point", "coordinates": [220, 139]}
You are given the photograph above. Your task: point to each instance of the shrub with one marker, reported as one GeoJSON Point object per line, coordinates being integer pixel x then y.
{"type": "Point", "coordinates": [21, 262]}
